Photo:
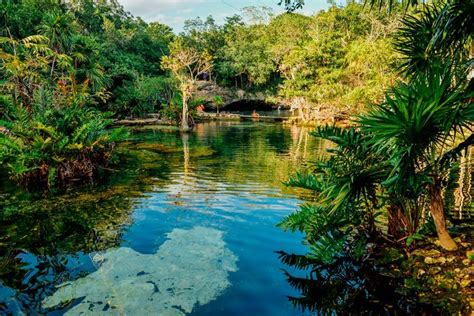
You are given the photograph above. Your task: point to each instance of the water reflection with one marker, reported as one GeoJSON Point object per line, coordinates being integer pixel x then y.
{"type": "Point", "coordinates": [225, 177]}
{"type": "Point", "coordinates": [463, 195]}
{"type": "Point", "coordinates": [45, 241]}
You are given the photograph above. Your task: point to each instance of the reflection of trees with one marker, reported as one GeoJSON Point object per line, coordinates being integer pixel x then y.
{"type": "Point", "coordinates": [459, 191]}
{"type": "Point", "coordinates": [463, 194]}
{"type": "Point", "coordinates": [67, 223]}
{"type": "Point", "coordinates": [41, 236]}
{"type": "Point", "coordinates": [55, 229]}
{"type": "Point", "coordinates": [185, 187]}
{"type": "Point", "coordinates": [263, 154]}
{"type": "Point", "coordinates": [49, 232]}
{"type": "Point", "coordinates": [346, 287]}
{"type": "Point", "coordinates": [186, 153]}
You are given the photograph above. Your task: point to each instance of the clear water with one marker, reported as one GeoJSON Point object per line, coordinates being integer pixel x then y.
{"type": "Point", "coordinates": [225, 178]}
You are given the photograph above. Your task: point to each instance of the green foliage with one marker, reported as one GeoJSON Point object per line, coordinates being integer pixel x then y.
{"type": "Point", "coordinates": [55, 145]}
{"type": "Point", "coordinates": [143, 96]}
{"type": "Point", "coordinates": [339, 58]}
{"type": "Point", "coordinates": [417, 120]}
{"type": "Point", "coordinates": [246, 56]}
{"type": "Point", "coordinates": [400, 158]}
{"type": "Point", "coordinates": [187, 63]}
{"type": "Point", "coordinates": [102, 46]}
{"type": "Point", "coordinates": [346, 193]}
{"type": "Point", "coordinates": [50, 133]}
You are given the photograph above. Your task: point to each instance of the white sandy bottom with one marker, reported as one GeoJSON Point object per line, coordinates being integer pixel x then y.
{"type": "Point", "coordinates": [189, 269]}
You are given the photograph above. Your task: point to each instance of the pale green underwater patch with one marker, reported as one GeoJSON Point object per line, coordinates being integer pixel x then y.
{"type": "Point", "coordinates": [189, 269]}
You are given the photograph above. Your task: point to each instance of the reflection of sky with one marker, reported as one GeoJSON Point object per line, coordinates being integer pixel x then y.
{"type": "Point", "coordinates": [175, 12]}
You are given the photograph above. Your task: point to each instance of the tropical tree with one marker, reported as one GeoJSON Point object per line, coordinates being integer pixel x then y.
{"type": "Point", "coordinates": [347, 195]}
{"type": "Point", "coordinates": [246, 56]}
{"type": "Point", "coordinates": [427, 120]}
{"type": "Point", "coordinates": [419, 125]}
{"type": "Point", "coordinates": [59, 28]}
{"type": "Point", "coordinates": [51, 146]}
{"type": "Point", "coordinates": [186, 64]}
{"type": "Point", "coordinates": [218, 101]}
{"type": "Point", "coordinates": [22, 62]}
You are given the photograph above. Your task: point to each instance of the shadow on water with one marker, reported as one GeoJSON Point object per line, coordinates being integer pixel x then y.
{"type": "Point", "coordinates": [347, 286]}
{"type": "Point", "coordinates": [375, 286]}
{"type": "Point", "coordinates": [45, 240]}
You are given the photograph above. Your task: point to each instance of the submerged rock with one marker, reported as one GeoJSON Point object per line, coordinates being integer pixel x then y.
{"type": "Point", "coordinates": [154, 147]}
{"type": "Point", "coordinates": [8, 301]}
{"type": "Point", "coordinates": [202, 151]}
{"type": "Point", "coordinates": [189, 269]}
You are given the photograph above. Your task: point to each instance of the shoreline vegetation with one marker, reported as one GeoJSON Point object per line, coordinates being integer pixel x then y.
{"type": "Point", "coordinates": [389, 84]}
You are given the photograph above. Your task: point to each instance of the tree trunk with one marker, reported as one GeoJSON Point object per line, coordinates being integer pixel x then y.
{"type": "Point", "coordinates": [184, 119]}
{"type": "Point", "coordinates": [52, 67]}
{"type": "Point", "coordinates": [397, 222]}
{"type": "Point", "coordinates": [437, 212]}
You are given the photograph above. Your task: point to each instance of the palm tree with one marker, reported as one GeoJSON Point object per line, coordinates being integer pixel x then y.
{"type": "Point", "coordinates": [420, 120]}
{"type": "Point", "coordinates": [419, 125]}
{"type": "Point", "coordinates": [60, 29]}
{"type": "Point", "coordinates": [425, 114]}
{"type": "Point", "coordinates": [435, 34]}
{"type": "Point", "coordinates": [22, 62]}
{"type": "Point", "coordinates": [347, 191]}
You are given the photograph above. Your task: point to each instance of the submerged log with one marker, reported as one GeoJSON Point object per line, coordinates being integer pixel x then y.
{"type": "Point", "coordinates": [140, 122]}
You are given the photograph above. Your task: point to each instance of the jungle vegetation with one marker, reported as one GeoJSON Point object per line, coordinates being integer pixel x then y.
{"type": "Point", "coordinates": [69, 68]}
{"type": "Point", "coordinates": [401, 69]}
{"type": "Point", "coordinates": [403, 153]}
{"type": "Point", "coordinates": [383, 188]}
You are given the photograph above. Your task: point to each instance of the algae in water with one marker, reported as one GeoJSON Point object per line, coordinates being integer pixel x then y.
{"type": "Point", "coordinates": [189, 269]}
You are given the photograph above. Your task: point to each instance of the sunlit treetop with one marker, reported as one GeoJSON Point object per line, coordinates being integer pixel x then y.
{"type": "Point", "coordinates": [292, 5]}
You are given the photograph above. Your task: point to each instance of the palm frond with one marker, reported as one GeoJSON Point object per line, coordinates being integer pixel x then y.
{"type": "Point", "coordinates": [308, 181]}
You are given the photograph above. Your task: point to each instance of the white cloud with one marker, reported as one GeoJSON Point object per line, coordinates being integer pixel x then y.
{"type": "Point", "coordinates": [175, 12]}
{"type": "Point", "coordinates": [147, 7]}
{"type": "Point", "coordinates": [170, 12]}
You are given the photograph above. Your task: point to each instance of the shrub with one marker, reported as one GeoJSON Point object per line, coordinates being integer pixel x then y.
{"type": "Point", "coordinates": [52, 146]}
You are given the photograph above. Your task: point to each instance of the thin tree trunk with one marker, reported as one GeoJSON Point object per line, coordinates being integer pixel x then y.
{"type": "Point", "coordinates": [184, 119]}
{"type": "Point", "coordinates": [437, 212]}
{"type": "Point", "coordinates": [52, 67]}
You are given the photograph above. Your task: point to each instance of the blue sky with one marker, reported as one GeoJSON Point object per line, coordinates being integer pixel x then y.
{"type": "Point", "coordinates": [175, 12]}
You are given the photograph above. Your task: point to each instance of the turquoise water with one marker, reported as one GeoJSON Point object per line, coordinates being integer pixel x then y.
{"type": "Point", "coordinates": [185, 224]}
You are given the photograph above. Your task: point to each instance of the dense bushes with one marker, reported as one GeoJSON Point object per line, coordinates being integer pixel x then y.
{"type": "Point", "coordinates": [402, 155]}
{"type": "Point", "coordinates": [340, 58]}
{"type": "Point", "coordinates": [51, 133]}
{"type": "Point", "coordinates": [348, 194]}
{"type": "Point", "coordinates": [107, 46]}
{"type": "Point", "coordinates": [53, 146]}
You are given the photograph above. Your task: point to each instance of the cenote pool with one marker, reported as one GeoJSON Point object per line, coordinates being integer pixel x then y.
{"type": "Point", "coordinates": [181, 225]}
{"type": "Point", "coordinates": [185, 224]}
